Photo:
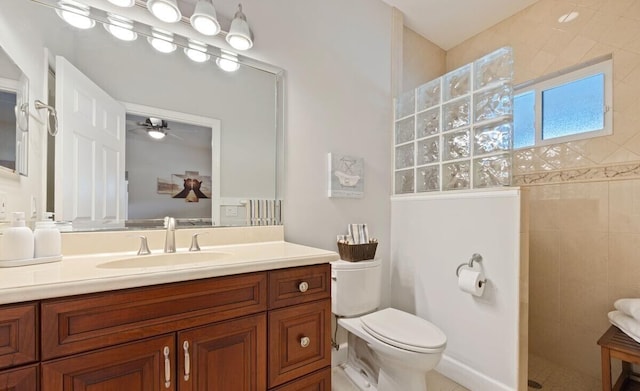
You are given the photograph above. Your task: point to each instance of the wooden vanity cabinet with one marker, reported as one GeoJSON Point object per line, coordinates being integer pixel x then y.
{"type": "Point", "coordinates": [19, 347]}
{"type": "Point", "coordinates": [248, 332]}
{"type": "Point", "coordinates": [299, 324]}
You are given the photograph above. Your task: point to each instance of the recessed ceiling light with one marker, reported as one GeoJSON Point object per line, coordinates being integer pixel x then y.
{"type": "Point", "coordinates": [121, 28]}
{"type": "Point", "coordinates": [162, 41]}
{"type": "Point", "coordinates": [165, 10]}
{"type": "Point", "coordinates": [566, 18]}
{"type": "Point", "coordinates": [76, 14]}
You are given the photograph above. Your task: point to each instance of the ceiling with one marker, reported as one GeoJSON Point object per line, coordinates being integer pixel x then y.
{"type": "Point", "coordinates": [448, 23]}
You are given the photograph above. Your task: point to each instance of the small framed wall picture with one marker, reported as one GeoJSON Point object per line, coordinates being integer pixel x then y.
{"type": "Point", "coordinates": [346, 176]}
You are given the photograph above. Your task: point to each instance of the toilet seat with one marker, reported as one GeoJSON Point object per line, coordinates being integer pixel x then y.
{"type": "Point", "coordinates": [405, 331]}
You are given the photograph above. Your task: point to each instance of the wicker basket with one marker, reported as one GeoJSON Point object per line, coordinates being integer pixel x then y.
{"type": "Point", "coordinates": [357, 252]}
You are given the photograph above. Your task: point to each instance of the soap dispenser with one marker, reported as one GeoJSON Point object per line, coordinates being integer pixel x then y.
{"type": "Point", "coordinates": [47, 238]}
{"type": "Point", "coordinates": [16, 241]}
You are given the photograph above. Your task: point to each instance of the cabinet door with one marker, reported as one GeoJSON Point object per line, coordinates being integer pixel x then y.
{"type": "Point", "coordinates": [18, 335]}
{"type": "Point", "coordinates": [22, 379]}
{"type": "Point", "coordinates": [147, 365]}
{"type": "Point", "coordinates": [299, 341]}
{"type": "Point", "coordinates": [228, 356]}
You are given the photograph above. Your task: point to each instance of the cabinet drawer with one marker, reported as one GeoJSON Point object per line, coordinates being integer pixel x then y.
{"type": "Point", "coordinates": [299, 285]}
{"type": "Point", "coordinates": [21, 379]}
{"type": "Point", "coordinates": [299, 341]}
{"type": "Point", "coordinates": [93, 321]}
{"type": "Point", "coordinates": [318, 381]}
{"type": "Point", "coordinates": [18, 335]}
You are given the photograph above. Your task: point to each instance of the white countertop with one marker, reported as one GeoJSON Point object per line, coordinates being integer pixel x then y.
{"type": "Point", "coordinates": [80, 274]}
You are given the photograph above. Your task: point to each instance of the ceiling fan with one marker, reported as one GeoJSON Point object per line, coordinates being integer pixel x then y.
{"type": "Point", "coordinates": [156, 128]}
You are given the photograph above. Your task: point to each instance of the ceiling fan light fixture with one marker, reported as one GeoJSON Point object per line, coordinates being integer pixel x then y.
{"type": "Point", "coordinates": [228, 61]}
{"type": "Point", "coordinates": [156, 134]}
{"type": "Point", "coordinates": [120, 27]}
{"type": "Point", "coordinates": [165, 10]}
{"type": "Point", "coordinates": [162, 41]}
{"type": "Point", "coordinates": [123, 3]}
{"type": "Point", "coordinates": [76, 14]}
{"type": "Point", "coordinates": [197, 51]}
{"type": "Point", "coordinates": [205, 19]}
{"type": "Point", "coordinates": [239, 35]}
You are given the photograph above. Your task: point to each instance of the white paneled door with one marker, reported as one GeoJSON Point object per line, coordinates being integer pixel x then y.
{"type": "Point", "coordinates": [90, 187]}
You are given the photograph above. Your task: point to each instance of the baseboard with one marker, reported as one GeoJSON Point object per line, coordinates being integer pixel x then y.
{"type": "Point", "coordinates": [469, 377]}
{"type": "Point", "coordinates": [339, 356]}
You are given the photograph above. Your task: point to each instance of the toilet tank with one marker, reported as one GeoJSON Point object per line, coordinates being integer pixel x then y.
{"type": "Point", "coordinates": [355, 287]}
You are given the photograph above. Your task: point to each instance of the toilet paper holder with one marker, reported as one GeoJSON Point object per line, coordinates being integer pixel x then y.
{"type": "Point", "coordinates": [474, 258]}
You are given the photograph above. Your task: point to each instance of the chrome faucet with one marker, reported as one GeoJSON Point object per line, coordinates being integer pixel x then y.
{"type": "Point", "coordinates": [170, 239]}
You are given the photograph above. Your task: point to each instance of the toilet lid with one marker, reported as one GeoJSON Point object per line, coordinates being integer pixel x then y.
{"type": "Point", "coordinates": [404, 331]}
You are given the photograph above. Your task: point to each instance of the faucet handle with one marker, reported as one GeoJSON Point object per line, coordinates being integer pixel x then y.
{"type": "Point", "coordinates": [144, 246]}
{"type": "Point", "coordinates": [194, 242]}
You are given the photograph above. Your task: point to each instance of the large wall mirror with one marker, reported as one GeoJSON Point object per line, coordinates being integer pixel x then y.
{"type": "Point", "coordinates": [219, 136]}
{"type": "Point", "coordinates": [14, 117]}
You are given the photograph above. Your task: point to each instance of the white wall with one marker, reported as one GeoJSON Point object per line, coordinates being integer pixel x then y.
{"type": "Point", "coordinates": [430, 236]}
{"type": "Point", "coordinates": [25, 49]}
{"type": "Point", "coordinates": [337, 57]}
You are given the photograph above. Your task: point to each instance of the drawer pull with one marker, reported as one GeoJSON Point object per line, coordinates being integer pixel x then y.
{"type": "Point", "coordinates": [187, 360]}
{"type": "Point", "coordinates": [303, 286]}
{"type": "Point", "coordinates": [167, 368]}
{"type": "Point", "coordinates": [305, 341]}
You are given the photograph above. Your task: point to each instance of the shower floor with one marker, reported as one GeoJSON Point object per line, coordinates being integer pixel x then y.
{"type": "Point", "coordinates": [554, 378]}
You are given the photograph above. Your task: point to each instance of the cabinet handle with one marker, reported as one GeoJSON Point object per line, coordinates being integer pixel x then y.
{"type": "Point", "coordinates": [305, 341]}
{"type": "Point", "coordinates": [187, 361]}
{"type": "Point", "coordinates": [303, 286]}
{"type": "Point", "coordinates": [167, 368]}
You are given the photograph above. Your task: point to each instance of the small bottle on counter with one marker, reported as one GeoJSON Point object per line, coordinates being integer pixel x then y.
{"type": "Point", "coordinates": [47, 238]}
{"type": "Point", "coordinates": [16, 241]}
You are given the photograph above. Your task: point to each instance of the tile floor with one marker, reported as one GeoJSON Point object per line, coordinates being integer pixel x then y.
{"type": "Point", "coordinates": [435, 382]}
{"type": "Point", "coordinates": [548, 374]}
{"type": "Point", "coordinates": [554, 378]}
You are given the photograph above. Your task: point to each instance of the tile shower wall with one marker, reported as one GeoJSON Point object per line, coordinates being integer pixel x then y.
{"type": "Point", "coordinates": [585, 237]}
{"type": "Point", "coordinates": [542, 45]}
{"type": "Point", "coordinates": [454, 132]}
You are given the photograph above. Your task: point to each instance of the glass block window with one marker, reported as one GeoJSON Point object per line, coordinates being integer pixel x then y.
{"type": "Point", "coordinates": [572, 104]}
{"type": "Point", "coordinates": [456, 132]}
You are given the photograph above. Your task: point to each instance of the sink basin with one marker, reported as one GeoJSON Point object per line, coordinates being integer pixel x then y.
{"type": "Point", "coordinates": [164, 260]}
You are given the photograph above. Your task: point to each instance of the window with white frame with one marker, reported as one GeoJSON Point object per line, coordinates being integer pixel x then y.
{"type": "Point", "coordinates": [568, 105]}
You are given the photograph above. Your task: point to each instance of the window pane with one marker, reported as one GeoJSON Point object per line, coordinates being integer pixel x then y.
{"type": "Point", "coordinates": [524, 119]}
{"type": "Point", "coordinates": [573, 108]}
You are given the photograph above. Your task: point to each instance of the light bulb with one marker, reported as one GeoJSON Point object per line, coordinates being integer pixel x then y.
{"type": "Point", "coordinates": [123, 3]}
{"type": "Point", "coordinates": [228, 61]}
{"type": "Point", "coordinates": [121, 28]}
{"type": "Point", "coordinates": [197, 51]}
{"type": "Point", "coordinates": [156, 134]}
{"type": "Point", "coordinates": [205, 19]}
{"type": "Point", "coordinates": [75, 14]}
{"type": "Point", "coordinates": [162, 41]}
{"type": "Point", "coordinates": [165, 10]}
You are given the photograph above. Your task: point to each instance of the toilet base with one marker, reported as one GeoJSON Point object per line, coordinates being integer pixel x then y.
{"type": "Point", "coordinates": [358, 378]}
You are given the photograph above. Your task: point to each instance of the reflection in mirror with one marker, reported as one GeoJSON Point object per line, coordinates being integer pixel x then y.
{"type": "Point", "coordinates": [14, 117]}
{"type": "Point", "coordinates": [245, 103]}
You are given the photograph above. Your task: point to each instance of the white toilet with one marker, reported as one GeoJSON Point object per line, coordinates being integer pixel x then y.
{"type": "Point", "coordinates": [389, 350]}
